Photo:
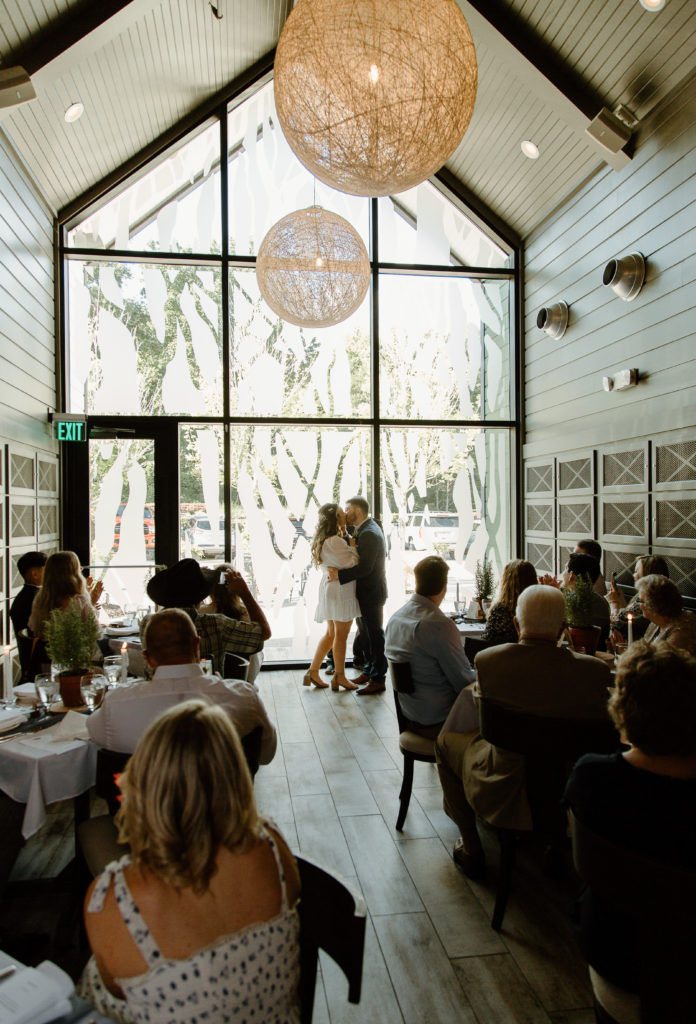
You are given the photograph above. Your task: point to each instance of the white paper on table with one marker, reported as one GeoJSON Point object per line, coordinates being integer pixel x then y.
{"type": "Point", "coordinates": [35, 995]}
{"type": "Point", "coordinates": [72, 727]}
{"type": "Point", "coordinates": [43, 743]}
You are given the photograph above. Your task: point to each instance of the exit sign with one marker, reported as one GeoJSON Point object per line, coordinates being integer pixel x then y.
{"type": "Point", "coordinates": [70, 430]}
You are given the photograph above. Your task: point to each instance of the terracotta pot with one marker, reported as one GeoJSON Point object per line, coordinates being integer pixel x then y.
{"type": "Point", "coordinates": [70, 688]}
{"type": "Point", "coordinates": [585, 636]}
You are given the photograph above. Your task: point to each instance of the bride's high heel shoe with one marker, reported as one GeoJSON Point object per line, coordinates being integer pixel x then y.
{"type": "Point", "coordinates": [339, 681]}
{"type": "Point", "coordinates": [316, 679]}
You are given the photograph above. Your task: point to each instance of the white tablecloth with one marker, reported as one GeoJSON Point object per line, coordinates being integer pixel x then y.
{"type": "Point", "coordinates": [36, 771]}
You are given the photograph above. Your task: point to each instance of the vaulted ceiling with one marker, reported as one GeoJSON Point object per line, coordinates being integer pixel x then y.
{"type": "Point", "coordinates": [546, 68]}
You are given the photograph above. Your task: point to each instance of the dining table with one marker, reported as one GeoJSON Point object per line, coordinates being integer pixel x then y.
{"type": "Point", "coordinates": [38, 767]}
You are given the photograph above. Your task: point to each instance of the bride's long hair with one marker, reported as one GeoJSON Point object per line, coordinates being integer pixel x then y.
{"type": "Point", "coordinates": [327, 526]}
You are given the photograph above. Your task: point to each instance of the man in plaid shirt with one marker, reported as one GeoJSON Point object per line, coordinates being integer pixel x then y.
{"type": "Point", "coordinates": [184, 586]}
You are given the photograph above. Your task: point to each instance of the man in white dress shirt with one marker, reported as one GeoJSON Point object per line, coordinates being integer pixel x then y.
{"type": "Point", "coordinates": [172, 650]}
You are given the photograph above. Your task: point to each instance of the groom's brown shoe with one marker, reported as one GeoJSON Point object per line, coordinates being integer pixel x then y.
{"type": "Point", "coordinates": [371, 688]}
{"type": "Point", "coordinates": [361, 679]}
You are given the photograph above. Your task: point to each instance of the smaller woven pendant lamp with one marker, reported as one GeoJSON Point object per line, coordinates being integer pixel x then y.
{"type": "Point", "coordinates": [312, 268]}
{"type": "Point", "coordinates": [373, 96]}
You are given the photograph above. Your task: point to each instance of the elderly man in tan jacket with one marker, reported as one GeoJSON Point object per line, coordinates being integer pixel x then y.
{"type": "Point", "coordinates": [535, 676]}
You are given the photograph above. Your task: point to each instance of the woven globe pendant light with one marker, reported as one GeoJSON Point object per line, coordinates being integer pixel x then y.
{"type": "Point", "coordinates": [312, 268]}
{"type": "Point", "coordinates": [373, 96]}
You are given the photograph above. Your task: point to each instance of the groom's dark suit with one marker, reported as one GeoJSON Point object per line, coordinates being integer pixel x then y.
{"type": "Point", "coordinates": [371, 592]}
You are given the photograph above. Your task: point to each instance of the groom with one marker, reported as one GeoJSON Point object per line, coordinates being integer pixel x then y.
{"type": "Point", "coordinates": [370, 590]}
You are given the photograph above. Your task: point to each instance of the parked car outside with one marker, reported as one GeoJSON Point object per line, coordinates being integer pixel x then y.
{"type": "Point", "coordinates": [148, 527]}
{"type": "Point", "coordinates": [426, 529]}
{"type": "Point", "coordinates": [210, 541]}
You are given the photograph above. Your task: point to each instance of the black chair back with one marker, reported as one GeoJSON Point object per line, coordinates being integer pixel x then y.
{"type": "Point", "coordinates": [662, 900]}
{"type": "Point", "coordinates": [332, 918]}
{"type": "Point", "coordinates": [474, 644]}
{"type": "Point", "coordinates": [235, 666]}
{"type": "Point", "coordinates": [110, 763]}
{"type": "Point", "coordinates": [33, 656]}
{"type": "Point", "coordinates": [251, 744]}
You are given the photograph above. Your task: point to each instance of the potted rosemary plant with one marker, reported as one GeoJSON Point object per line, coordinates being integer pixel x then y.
{"type": "Point", "coordinates": [70, 642]}
{"type": "Point", "coordinates": [578, 603]}
{"type": "Point", "coordinates": [484, 584]}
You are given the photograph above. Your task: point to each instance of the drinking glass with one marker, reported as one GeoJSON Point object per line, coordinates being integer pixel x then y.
{"type": "Point", "coordinates": [47, 689]}
{"type": "Point", "coordinates": [620, 647]}
{"type": "Point", "coordinates": [460, 607]}
{"type": "Point", "coordinates": [93, 689]}
{"type": "Point", "coordinates": [207, 666]}
{"type": "Point", "coordinates": [112, 669]}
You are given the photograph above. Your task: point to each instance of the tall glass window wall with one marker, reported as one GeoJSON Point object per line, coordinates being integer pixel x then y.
{"type": "Point", "coordinates": [410, 402]}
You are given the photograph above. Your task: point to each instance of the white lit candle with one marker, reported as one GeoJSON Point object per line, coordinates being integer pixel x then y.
{"type": "Point", "coordinates": [630, 628]}
{"type": "Point", "coordinates": [8, 692]}
{"type": "Point", "coordinates": [124, 662]}
{"type": "Point", "coordinates": [457, 591]}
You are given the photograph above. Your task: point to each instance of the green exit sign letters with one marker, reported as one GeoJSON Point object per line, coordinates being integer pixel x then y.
{"type": "Point", "coordinates": [71, 430]}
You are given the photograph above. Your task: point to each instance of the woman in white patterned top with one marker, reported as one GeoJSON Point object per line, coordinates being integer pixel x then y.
{"type": "Point", "coordinates": [337, 605]}
{"type": "Point", "coordinates": [199, 921]}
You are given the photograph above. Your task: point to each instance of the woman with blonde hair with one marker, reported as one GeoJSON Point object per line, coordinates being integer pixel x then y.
{"type": "Point", "coordinates": [63, 584]}
{"type": "Point", "coordinates": [199, 921]}
{"type": "Point", "coordinates": [337, 605]}
{"type": "Point", "coordinates": [500, 627]}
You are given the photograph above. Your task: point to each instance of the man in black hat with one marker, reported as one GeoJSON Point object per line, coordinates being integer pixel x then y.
{"type": "Point", "coordinates": [184, 586]}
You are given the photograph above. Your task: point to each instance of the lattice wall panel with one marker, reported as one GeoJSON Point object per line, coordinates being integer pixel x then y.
{"type": "Point", "coordinates": [540, 555]}
{"type": "Point", "coordinates": [625, 519]}
{"type": "Point", "coordinates": [682, 571]}
{"type": "Point", "coordinates": [675, 463]}
{"type": "Point", "coordinates": [539, 517]}
{"type": "Point", "coordinates": [22, 521]}
{"type": "Point", "coordinates": [21, 476]}
{"type": "Point", "coordinates": [563, 553]}
{"type": "Point", "coordinates": [575, 475]}
{"type": "Point", "coordinates": [675, 519]}
{"type": "Point", "coordinates": [576, 517]}
{"type": "Point", "coordinates": [539, 479]}
{"type": "Point", "coordinates": [48, 519]}
{"type": "Point", "coordinates": [622, 563]}
{"type": "Point", "coordinates": [625, 469]}
{"type": "Point", "coordinates": [47, 476]}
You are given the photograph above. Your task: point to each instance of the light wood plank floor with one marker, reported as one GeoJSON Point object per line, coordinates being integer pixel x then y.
{"type": "Point", "coordinates": [431, 955]}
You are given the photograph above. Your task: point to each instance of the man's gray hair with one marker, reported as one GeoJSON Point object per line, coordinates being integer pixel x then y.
{"type": "Point", "coordinates": [541, 610]}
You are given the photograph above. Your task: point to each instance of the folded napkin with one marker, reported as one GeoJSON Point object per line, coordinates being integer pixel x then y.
{"type": "Point", "coordinates": [10, 718]}
{"type": "Point", "coordinates": [26, 693]}
{"type": "Point", "coordinates": [72, 727]}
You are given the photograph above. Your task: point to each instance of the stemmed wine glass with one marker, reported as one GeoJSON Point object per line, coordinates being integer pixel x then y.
{"type": "Point", "coordinates": [93, 689]}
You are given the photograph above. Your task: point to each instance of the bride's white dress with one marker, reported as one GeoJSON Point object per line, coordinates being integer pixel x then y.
{"type": "Point", "coordinates": [337, 601]}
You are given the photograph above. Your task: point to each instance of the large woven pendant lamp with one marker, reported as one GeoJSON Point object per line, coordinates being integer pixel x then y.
{"type": "Point", "coordinates": [373, 96]}
{"type": "Point", "coordinates": [312, 268]}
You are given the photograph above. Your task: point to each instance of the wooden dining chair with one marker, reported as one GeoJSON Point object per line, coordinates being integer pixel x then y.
{"type": "Point", "coordinates": [550, 747]}
{"type": "Point", "coordinates": [332, 918]}
{"type": "Point", "coordinates": [412, 746]}
{"type": "Point", "coordinates": [661, 900]}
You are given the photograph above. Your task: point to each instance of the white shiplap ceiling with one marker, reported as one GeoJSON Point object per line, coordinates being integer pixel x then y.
{"type": "Point", "coordinates": [545, 68]}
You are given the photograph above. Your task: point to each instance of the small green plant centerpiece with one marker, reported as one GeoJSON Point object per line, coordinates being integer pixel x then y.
{"type": "Point", "coordinates": [578, 602]}
{"type": "Point", "coordinates": [70, 642]}
{"type": "Point", "coordinates": [484, 584]}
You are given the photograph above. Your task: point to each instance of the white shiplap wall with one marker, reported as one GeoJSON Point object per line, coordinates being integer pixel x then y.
{"type": "Point", "coordinates": [27, 370]}
{"type": "Point", "coordinates": [649, 207]}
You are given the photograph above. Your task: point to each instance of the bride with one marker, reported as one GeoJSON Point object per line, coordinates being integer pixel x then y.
{"type": "Point", "coordinates": [337, 605]}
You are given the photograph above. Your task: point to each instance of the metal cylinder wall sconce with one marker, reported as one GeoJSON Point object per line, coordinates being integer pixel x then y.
{"type": "Point", "coordinates": [625, 276]}
{"type": "Point", "coordinates": [553, 319]}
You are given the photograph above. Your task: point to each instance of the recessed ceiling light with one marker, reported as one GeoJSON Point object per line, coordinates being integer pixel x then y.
{"type": "Point", "coordinates": [74, 112]}
{"type": "Point", "coordinates": [652, 5]}
{"type": "Point", "coordinates": [530, 149]}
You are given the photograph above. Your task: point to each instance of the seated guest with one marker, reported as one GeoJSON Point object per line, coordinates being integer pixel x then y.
{"type": "Point", "coordinates": [643, 798]}
{"type": "Point", "coordinates": [172, 650]}
{"type": "Point", "coordinates": [221, 602]}
{"type": "Point", "coordinates": [199, 921]}
{"type": "Point", "coordinates": [648, 565]}
{"type": "Point", "coordinates": [535, 676]}
{"type": "Point", "coordinates": [586, 565]}
{"type": "Point", "coordinates": [63, 584]}
{"type": "Point", "coordinates": [500, 625]}
{"type": "Point", "coordinates": [662, 604]}
{"type": "Point", "coordinates": [31, 568]}
{"type": "Point", "coordinates": [594, 549]}
{"type": "Point", "coordinates": [424, 636]}
{"type": "Point", "coordinates": [184, 586]}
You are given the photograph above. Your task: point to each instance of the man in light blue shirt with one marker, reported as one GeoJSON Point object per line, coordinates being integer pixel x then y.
{"type": "Point", "coordinates": [424, 636]}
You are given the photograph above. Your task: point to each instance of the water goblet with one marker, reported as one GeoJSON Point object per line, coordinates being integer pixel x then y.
{"type": "Point", "coordinates": [460, 607]}
{"type": "Point", "coordinates": [93, 689]}
{"type": "Point", "coordinates": [47, 689]}
{"type": "Point", "coordinates": [112, 668]}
